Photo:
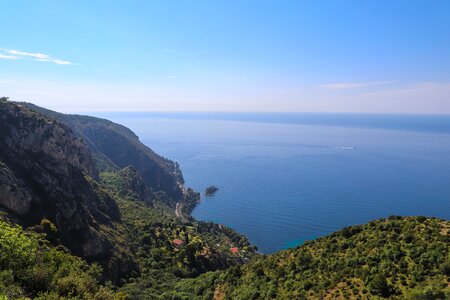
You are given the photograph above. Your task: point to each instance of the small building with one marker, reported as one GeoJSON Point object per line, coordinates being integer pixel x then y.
{"type": "Point", "coordinates": [177, 243]}
{"type": "Point", "coordinates": [234, 250]}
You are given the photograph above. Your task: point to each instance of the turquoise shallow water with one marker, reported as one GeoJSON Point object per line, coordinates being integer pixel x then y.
{"type": "Point", "coordinates": [284, 181]}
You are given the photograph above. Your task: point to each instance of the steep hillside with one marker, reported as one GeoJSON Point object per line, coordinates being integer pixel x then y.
{"type": "Point", "coordinates": [115, 147]}
{"type": "Point", "coordinates": [129, 183]}
{"type": "Point", "coordinates": [167, 248]}
{"type": "Point", "coordinates": [397, 258]}
{"type": "Point", "coordinates": [46, 172]}
{"type": "Point", "coordinates": [31, 268]}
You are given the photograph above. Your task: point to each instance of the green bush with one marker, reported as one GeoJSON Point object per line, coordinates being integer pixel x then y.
{"type": "Point", "coordinates": [31, 267]}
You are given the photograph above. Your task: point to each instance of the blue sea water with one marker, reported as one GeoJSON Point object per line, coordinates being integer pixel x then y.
{"type": "Point", "coordinates": [287, 178]}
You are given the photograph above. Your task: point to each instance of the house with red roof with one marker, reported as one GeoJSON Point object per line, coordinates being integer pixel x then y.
{"type": "Point", "coordinates": [234, 250]}
{"type": "Point", "coordinates": [177, 243]}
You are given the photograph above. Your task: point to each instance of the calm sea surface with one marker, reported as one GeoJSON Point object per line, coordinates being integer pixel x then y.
{"type": "Point", "coordinates": [287, 178]}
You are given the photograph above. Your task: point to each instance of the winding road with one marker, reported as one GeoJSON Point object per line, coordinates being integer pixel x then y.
{"type": "Point", "coordinates": [178, 212]}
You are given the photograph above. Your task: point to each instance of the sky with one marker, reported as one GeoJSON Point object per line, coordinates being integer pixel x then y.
{"type": "Point", "coordinates": [307, 56]}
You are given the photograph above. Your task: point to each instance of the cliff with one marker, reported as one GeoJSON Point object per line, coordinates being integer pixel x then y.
{"type": "Point", "coordinates": [115, 147]}
{"type": "Point", "coordinates": [46, 172]}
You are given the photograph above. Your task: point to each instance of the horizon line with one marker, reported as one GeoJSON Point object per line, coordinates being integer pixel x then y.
{"type": "Point", "coordinates": [254, 112]}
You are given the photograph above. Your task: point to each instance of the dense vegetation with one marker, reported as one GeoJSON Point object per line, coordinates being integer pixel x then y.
{"type": "Point", "coordinates": [399, 258]}
{"type": "Point", "coordinates": [31, 268]}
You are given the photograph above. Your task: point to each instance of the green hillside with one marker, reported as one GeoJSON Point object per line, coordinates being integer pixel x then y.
{"type": "Point", "coordinates": [153, 229]}
{"type": "Point", "coordinates": [398, 258]}
{"type": "Point", "coordinates": [31, 268]}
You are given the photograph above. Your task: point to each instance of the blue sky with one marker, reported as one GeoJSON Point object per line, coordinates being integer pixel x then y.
{"type": "Point", "coordinates": [321, 56]}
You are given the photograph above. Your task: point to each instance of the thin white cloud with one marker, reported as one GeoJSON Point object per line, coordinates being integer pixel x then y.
{"type": "Point", "coordinates": [17, 54]}
{"type": "Point", "coordinates": [62, 62]}
{"type": "Point", "coordinates": [353, 85]}
{"type": "Point", "coordinates": [172, 77]}
{"type": "Point", "coordinates": [3, 56]}
{"type": "Point", "coordinates": [56, 61]}
{"type": "Point", "coordinates": [21, 53]}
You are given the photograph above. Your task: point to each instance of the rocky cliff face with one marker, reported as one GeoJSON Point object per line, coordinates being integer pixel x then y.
{"type": "Point", "coordinates": [14, 195]}
{"type": "Point", "coordinates": [46, 172]}
{"type": "Point", "coordinates": [115, 147]}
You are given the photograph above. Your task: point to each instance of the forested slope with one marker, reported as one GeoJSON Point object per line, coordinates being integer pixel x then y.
{"type": "Point", "coordinates": [398, 258]}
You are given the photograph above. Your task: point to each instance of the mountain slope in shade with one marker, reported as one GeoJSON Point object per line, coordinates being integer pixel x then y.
{"type": "Point", "coordinates": [47, 173]}
{"type": "Point", "coordinates": [115, 147]}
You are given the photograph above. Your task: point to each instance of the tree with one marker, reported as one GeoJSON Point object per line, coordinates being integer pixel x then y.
{"type": "Point", "coordinates": [186, 237]}
{"type": "Point", "coordinates": [379, 286]}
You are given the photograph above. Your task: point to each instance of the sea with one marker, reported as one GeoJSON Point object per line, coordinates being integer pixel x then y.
{"type": "Point", "coordinates": [285, 178]}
